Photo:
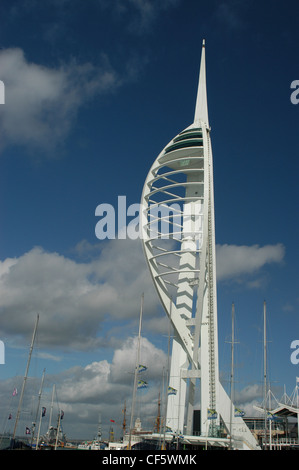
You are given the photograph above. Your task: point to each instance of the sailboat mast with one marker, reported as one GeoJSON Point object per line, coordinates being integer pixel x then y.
{"type": "Point", "coordinates": [232, 374]}
{"type": "Point", "coordinates": [158, 419]}
{"type": "Point", "coordinates": [265, 377]}
{"type": "Point", "coordinates": [124, 420]}
{"type": "Point", "coordinates": [99, 436]}
{"type": "Point", "coordinates": [167, 375]}
{"type": "Point", "coordinates": [38, 406]}
{"type": "Point", "coordinates": [51, 409]}
{"type": "Point", "coordinates": [25, 378]}
{"type": "Point", "coordinates": [58, 428]}
{"type": "Point", "coordinates": [136, 370]}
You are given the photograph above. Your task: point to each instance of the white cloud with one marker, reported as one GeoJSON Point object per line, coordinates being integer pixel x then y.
{"type": "Point", "coordinates": [125, 358]}
{"type": "Point", "coordinates": [85, 305]}
{"type": "Point", "coordinates": [75, 300]}
{"type": "Point", "coordinates": [103, 386]}
{"type": "Point", "coordinates": [233, 261]}
{"type": "Point", "coordinates": [42, 102]}
{"type": "Point", "coordinates": [86, 384]}
{"type": "Point", "coordinates": [249, 393]}
{"type": "Point", "coordinates": [248, 398]}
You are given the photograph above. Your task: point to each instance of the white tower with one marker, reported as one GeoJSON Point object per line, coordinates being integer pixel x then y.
{"type": "Point", "coordinates": [178, 235]}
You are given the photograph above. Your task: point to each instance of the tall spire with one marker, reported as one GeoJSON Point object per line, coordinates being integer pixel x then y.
{"type": "Point", "coordinates": [184, 275]}
{"type": "Point", "coordinates": [201, 110]}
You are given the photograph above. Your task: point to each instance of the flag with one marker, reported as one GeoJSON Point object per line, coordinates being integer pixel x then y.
{"type": "Point", "coordinates": [172, 391]}
{"type": "Point", "coordinates": [239, 413]}
{"type": "Point", "coordinates": [10, 416]}
{"type": "Point", "coordinates": [61, 414]}
{"type": "Point", "coordinates": [142, 384]}
{"type": "Point", "coordinates": [27, 430]}
{"type": "Point", "coordinates": [141, 368]}
{"type": "Point", "coordinates": [15, 392]}
{"type": "Point", "coordinates": [212, 414]}
{"type": "Point", "coordinates": [43, 411]}
{"type": "Point", "coordinates": [271, 416]}
{"type": "Point", "coordinates": [112, 421]}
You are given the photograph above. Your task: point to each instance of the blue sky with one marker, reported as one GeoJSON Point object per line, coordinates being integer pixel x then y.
{"type": "Point", "coordinates": [94, 90]}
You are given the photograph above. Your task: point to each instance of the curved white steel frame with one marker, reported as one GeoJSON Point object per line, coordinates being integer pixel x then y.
{"type": "Point", "coordinates": [178, 236]}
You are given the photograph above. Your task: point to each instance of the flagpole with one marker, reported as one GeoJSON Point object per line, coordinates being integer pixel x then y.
{"type": "Point", "coordinates": [136, 371]}
{"type": "Point", "coordinates": [24, 381]}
